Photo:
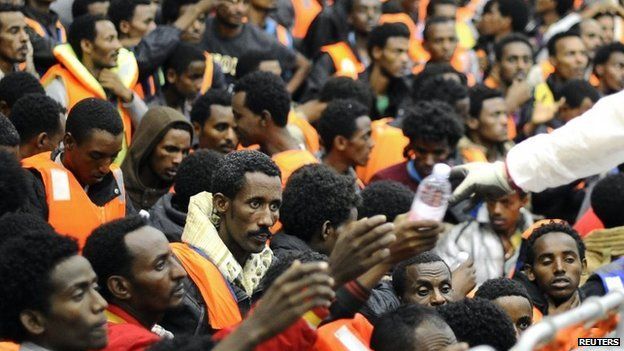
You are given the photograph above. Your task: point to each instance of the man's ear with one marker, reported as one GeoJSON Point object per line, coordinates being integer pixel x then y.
{"type": "Point", "coordinates": [197, 128]}
{"type": "Point", "coordinates": [340, 143]}
{"type": "Point", "coordinates": [4, 108]}
{"type": "Point", "coordinates": [265, 118]}
{"type": "Point", "coordinates": [171, 76]}
{"type": "Point", "coordinates": [553, 61]}
{"type": "Point", "coordinates": [86, 46]}
{"type": "Point", "coordinates": [43, 140]}
{"type": "Point", "coordinates": [472, 123]}
{"type": "Point", "coordinates": [119, 287]}
{"type": "Point", "coordinates": [600, 71]}
{"type": "Point", "coordinates": [68, 141]}
{"type": "Point", "coordinates": [327, 231]}
{"type": "Point", "coordinates": [584, 266]}
{"type": "Point", "coordinates": [124, 27]}
{"type": "Point", "coordinates": [33, 321]}
{"type": "Point", "coordinates": [377, 52]}
{"type": "Point", "coordinates": [220, 203]}
{"type": "Point", "coordinates": [528, 269]}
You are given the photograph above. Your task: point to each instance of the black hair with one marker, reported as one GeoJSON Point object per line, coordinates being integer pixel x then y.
{"type": "Point", "coordinates": [200, 112]}
{"type": "Point", "coordinates": [433, 70]}
{"type": "Point", "coordinates": [12, 182]}
{"type": "Point", "coordinates": [17, 84]}
{"type": "Point", "coordinates": [603, 53]}
{"type": "Point", "coordinates": [250, 61]}
{"type": "Point", "coordinates": [385, 197]}
{"type": "Point", "coordinates": [265, 92]}
{"type": "Point", "coordinates": [83, 28]}
{"type": "Point", "coordinates": [399, 275]}
{"type": "Point", "coordinates": [182, 56]}
{"type": "Point", "coordinates": [564, 6]}
{"type": "Point", "coordinates": [492, 289]}
{"type": "Point", "coordinates": [479, 322]}
{"type": "Point", "coordinates": [194, 176]}
{"type": "Point", "coordinates": [396, 330]}
{"type": "Point", "coordinates": [552, 43]}
{"type": "Point", "coordinates": [379, 36]}
{"type": "Point", "coordinates": [432, 121]}
{"type": "Point", "coordinates": [34, 114]}
{"type": "Point", "coordinates": [501, 44]}
{"type": "Point", "coordinates": [478, 94]}
{"type": "Point", "coordinates": [576, 90]}
{"type": "Point", "coordinates": [607, 200]}
{"type": "Point", "coordinates": [184, 343]}
{"type": "Point", "coordinates": [170, 9]}
{"type": "Point", "coordinates": [19, 223]}
{"type": "Point", "coordinates": [26, 262]}
{"type": "Point", "coordinates": [229, 179]}
{"type": "Point", "coordinates": [517, 10]}
{"type": "Point", "coordinates": [338, 119]}
{"type": "Point", "coordinates": [92, 114]}
{"type": "Point", "coordinates": [8, 8]}
{"type": "Point", "coordinates": [315, 194]}
{"type": "Point", "coordinates": [81, 7]}
{"type": "Point", "coordinates": [431, 6]}
{"type": "Point", "coordinates": [442, 89]}
{"type": "Point", "coordinates": [346, 88]}
{"type": "Point", "coordinates": [107, 252]}
{"type": "Point", "coordinates": [434, 21]}
{"type": "Point", "coordinates": [8, 133]}
{"type": "Point", "coordinates": [281, 264]}
{"type": "Point", "coordinates": [551, 227]}
{"type": "Point", "coordinates": [123, 10]}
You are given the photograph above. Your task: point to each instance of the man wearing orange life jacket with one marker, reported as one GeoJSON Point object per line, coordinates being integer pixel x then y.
{"type": "Point", "coordinates": [80, 178]}
{"type": "Point", "coordinates": [94, 64]}
{"type": "Point", "coordinates": [14, 42]}
{"type": "Point", "coordinates": [305, 11]}
{"type": "Point", "coordinates": [45, 31]}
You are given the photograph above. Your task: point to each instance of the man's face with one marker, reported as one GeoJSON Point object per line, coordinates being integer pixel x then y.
{"type": "Point", "coordinates": [393, 58]}
{"type": "Point", "coordinates": [591, 33]}
{"type": "Point", "coordinates": [432, 336]}
{"type": "Point", "coordinates": [441, 41]}
{"type": "Point", "coordinates": [491, 21]}
{"type": "Point", "coordinates": [169, 153]}
{"type": "Point", "coordinates": [76, 319]}
{"type": "Point", "coordinates": [567, 113]}
{"type": "Point", "coordinates": [570, 59]}
{"type": "Point", "coordinates": [613, 72]}
{"type": "Point", "coordinates": [248, 126]}
{"type": "Point", "coordinates": [428, 284]}
{"type": "Point", "coordinates": [359, 146]}
{"type": "Point", "coordinates": [188, 84]}
{"type": "Point", "coordinates": [255, 209]}
{"type": "Point", "coordinates": [445, 10]}
{"type": "Point", "coordinates": [557, 266]}
{"type": "Point", "coordinates": [504, 213]}
{"type": "Point", "coordinates": [143, 21]}
{"type": "Point", "coordinates": [105, 48]}
{"type": "Point", "coordinates": [608, 28]}
{"type": "Point", "coordinates": [519, 310]}
{"type": "Point", "coordinates": [13, 37]}
{"type": "Point", "coordinates": [90, 161]}
{"type": "Point", "coordinates": [218, 133]}
{"type": "Point", "coordinates": [515, 62]}
{"type": "Point", "coordinates": [194, 33]}
{"type": "Point", "coordinates": [493, 121]}
{"type": "Point", "coordinates": [156, 276]}
{"type": "Point", "coordinates": [427, 153]}
{"type": "Point", "coordinates": [99, 8]}
{"type": "Point", "coordinates": [365, 15]}
{"type": "Point", "coordinates": [232, 13]}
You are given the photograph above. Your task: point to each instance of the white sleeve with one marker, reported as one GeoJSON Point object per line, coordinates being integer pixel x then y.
{"type": "Point", "coordinates": [136, 108]}
{"type": "Point", "coordinates": [56, 90]}
{"type": "Point", "coordinates": [590, 144]}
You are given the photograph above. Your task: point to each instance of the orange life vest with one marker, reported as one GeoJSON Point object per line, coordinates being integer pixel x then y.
{"type": "Point", "coordinates": [473, 154]}
{"type": "Point", "coordinates": [345, 61]}
{"type": "Point", "coordinates": [70, 211]}
{"type": "Point", "coordinates": [388, 150]}
{"type": "Point", "coordinates": [282, 35]}
{"type": "Point", "coordinates": [220, 302]}
{"type": "Point", "coordinates": [309, 132]}
{"type": "Point", "coordinates": [9, 346]}
{"type": "Point", "coordinates": [41, 31]}
{"type": "Point", "coordinates": [208, 74]}
{"type": "Point", "coordinates": [305, 12]}
{"type": "Point", "coordinates": [345, 335]}
{"type": "Point", "coordinates": [291, 160]}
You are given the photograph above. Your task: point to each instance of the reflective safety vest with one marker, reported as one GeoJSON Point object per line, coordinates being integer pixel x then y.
{"type": "Point", "coordinates": [290, 161]}
{"type": "Point", "coordinates": [61, 34]}
{"type": "Point", "coordinates": [278, 31]}
{"type": "Point", "coordinates": [9, 346]}
{"type": "Point", "coordinates": [305, 12]}
{"type": "Point", "coordinates": [345, 61]}
{"type": "Point", "coordinates": [80, 83]}
{"type": "Point", "coordinates": [345, 335]}
{"type": "Point", "coordinates": [70, 211]}
{"type": "Point", "coordinates": [208, 73]}
{"type": "Point", "coordinates": [309, 132]}
{"type": "Point", "coordinates": [387, 151]}
{"type": "Point", "coordinates": [220, 302]}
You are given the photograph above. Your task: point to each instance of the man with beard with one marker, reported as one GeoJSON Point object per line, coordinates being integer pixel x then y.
{"type": "Point", "coordinates": [213, 121]}
{"type": "Point", "coordinates": [13, 39]}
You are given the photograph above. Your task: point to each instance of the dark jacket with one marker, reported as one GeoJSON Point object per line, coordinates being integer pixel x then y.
{"type": "Point", "coordinates": [168, 219]}
{"type": "Point", "coordinates": [43, 56]}
{"type": "Point", "coordinates": [330, 26]}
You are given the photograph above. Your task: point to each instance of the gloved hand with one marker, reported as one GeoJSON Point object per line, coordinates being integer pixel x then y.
{"type": "Point", "coordinates": [480, 179]}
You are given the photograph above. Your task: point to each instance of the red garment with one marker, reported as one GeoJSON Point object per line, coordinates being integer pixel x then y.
{"type": "Point", "coordinates": [298, 337]}
{"type": "Point", "coordinates": [588, 223]}
{"type": "Point", "coordinates": [125, 333]}
{"type": "Point", "coordinates": [397, 173]}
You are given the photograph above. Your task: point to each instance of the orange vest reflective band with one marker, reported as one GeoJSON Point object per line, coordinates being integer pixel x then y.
{"type": "Point", "coordinates": [594, 81]}
{"type": "Point", "coordinates": [39, 29]}
{"type": "Point", "coordinates": [290, 161]}
{"type": "Point", "coordinates": [208, 74]}
{"type": "Point", "coordinates": [309, 132]}
{"type": "Point", "coordinates": [70, 211]}
{"type": "Point", "coordinates": [473, 154]}
{"type": "Point", "coordinates": [9, 346]}
{"type": "Point", "coordinates": [416, 52]}
{"type": "Point", "coordinates": [305, 12]}
{"type": "Point", "coordinates": [345, 335]}
{"type": "Point", "coordinates": [547, 69]}
{"type": "Point", "coordinates": [222, 308]}
{"type": "Point", "coordinates": [345, 61]}
{"type": "Point", "coordinates": [491, 83]}
{"type": "Point", "coordinates": [388, 150]}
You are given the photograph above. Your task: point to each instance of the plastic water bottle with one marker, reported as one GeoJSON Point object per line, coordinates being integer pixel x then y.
{"type": "Point", "coordinates": [431, 200]}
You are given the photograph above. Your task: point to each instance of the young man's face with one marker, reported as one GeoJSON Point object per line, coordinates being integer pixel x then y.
{"type": "Point", "coordinates": [194, 33]}
{"type": "Point", "coordinates": [231, 13]}
{"type": "Point", "coordinates": [428, 284]}
{"type": "Point", "coordinates": [90, 161]}
{"type": "Point", "coordinates": [143, 21]}
{"type": "Point", "coordinates": [570, 59]}
{"type": "Point", "coordinates": [432, 336]}
{"type": "Point", "coordinates": [607, 23]}
{"type": "Point", "coordinates": [504, 213]}
{"type": "Point", "coordinates": [491, 21]}
{"type": "Point", "coordinates": [519, 310]}
{"type": "Point", "coordinates": [188, 84]}
{"type": "Point", "coordinates": [359, 146]}
{"type": "Point", "coordinates": [515, 62]}
{"type": "Point", "coordinates": [441, 41]}
{"type": "Point", "coordinates": [393, 58]}
{"type": "Point", "coordinates": [76, 319]}
{"type": "Point", "coordinates": [365, 15]}
{"type": "Point", "coordinates": [567, 113]}
{"type": "Point", "coordinates": [105, 49]}
{"type": "Point", "coordinates": [218, 133]}
{"type": "Point", "coordinates": [427, 153]}
{"type": "Point", "coordinates": [591, 33]}
{"type": "Point", "coordinates": [612, 72]}
{"type": "Point", "coordinates": [169, 153]}
{"type": "Point", "coordinates": [557, 266]}
{"type": "Point", "coordinates": [248, 126]}
{"type": "Point", "coordinates": [492, 126]}
{"type": "Point", "coordinates": [248, 216]}
{"type": "Point", "coordinates": [13, 37]}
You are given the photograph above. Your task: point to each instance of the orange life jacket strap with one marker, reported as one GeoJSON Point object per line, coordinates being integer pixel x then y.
{"type": "Point", "coordinates": [345, 61]}
{"type": "Point", "coordinates": [208, 74]}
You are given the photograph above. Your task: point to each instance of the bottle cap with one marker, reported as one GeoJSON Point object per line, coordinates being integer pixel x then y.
{"type": "Point", "coordinates": [441, 170]}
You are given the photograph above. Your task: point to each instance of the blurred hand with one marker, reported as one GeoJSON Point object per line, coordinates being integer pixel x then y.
{"type": "Point", "coordinates": [364, 244]}
{"type": "Point", "coordinates": [412, 238]}
{"type": "Point", "coordinates": [518, 93]}
{"type": "Point", "coordinates": [545, 112]}
{"type": "Point", "coordinates": [111, 81]}
{"type": "Point", "coordinates": [464, 278]}
{"type": "Point", "coordinates": [462, 346]}
{"type": "Point", "coordinates": [479, 179]}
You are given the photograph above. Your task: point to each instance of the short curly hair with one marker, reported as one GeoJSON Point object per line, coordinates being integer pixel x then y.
{"type": "Point", "coordinates": [107, 251]}
{"type": "Point", "coordinates": [170, 9]}
{"type": "Point", "coordinates": [607, 200]}
{"type": "Point", "coordinates": [8, 133]}
{"type": "Point", "coordinates": [433, 121]}
{"type": "Point", "coordinates": [92, 114]}
{"type": "Point", "coordinates": [385, 197]}
{"type": "Point", "coordinates": [551, 227]}
{"type": "Point", "coordinates": [282, 263]}
{"type": "Point", "coordinates": [315, 194]}
{"type": "Point", "coordinates": [121, 10]}
{"type": "Point", "coordinates": [195, 175]}
{"type": "Point", "coordinates": [435, 69]}
{"type": "Point", "coordinates": [338, 119]}
{"type": "Point", "coordinates": [479, 322]}
{"type": "Point", "coordinates": [441, 89]}
{"type": "Point", "coordinates": [603, 54]}
{"type": "Point", "coordinates": [12, 183]}
{"type": "Point", "coordinates": [200, 112]}
{"type": "Point", "coordinates": [517, 10]}
{"type": "Point", "coordinates": [17, 84]}
{"type": "Point", "coordinates": [492, 289]}
{"type": "Point", "coordinates": [264, 91]}
{"type": "Point", "coordinates": [346, 88]}
{"type": "Point", "coordinates": [18, 223]}
{"type": "Point", "coordinates": [26, 262]}
{"type": "Point", "coordinates": [229, 179]}
{"type": "Point", "coordinates": [399, 275]}
{"type": "Point", "coordinates": [36, 113]}
{"type": "Point", "coordinates": [379, 36]}
{"type": "Point", "coordinates": [501, 44]}
{"type": "Point", "coordinates": [478, 94]}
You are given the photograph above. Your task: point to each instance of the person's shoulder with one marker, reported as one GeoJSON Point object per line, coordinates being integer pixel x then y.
{"type": "Point", "coordinates": [129, 337]}
{"type": "Point", "coordinates": [395, 172]}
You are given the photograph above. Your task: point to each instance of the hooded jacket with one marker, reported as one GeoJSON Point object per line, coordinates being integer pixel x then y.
{"type": "Point", "coordinates": [154, 125]}
{"type": "Point", "coordinates": [166, 218]}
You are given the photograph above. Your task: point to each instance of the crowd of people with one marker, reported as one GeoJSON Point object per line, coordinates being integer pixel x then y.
{"type": "Point", "coordinates": [238, 174]}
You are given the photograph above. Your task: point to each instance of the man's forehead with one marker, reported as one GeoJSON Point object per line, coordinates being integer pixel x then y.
{"type": "Point", "coordinates": [429, 270]}
{"type": "Point", "coordinates": [554, 242]}
{"type": "Point", "coordinates": [146, 243]}
{"type": "Point", "coordinates": [258, 184]}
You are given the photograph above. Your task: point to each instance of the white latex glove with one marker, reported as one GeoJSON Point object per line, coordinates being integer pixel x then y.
{"type": "Point", "coordinates": [480, 180]}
